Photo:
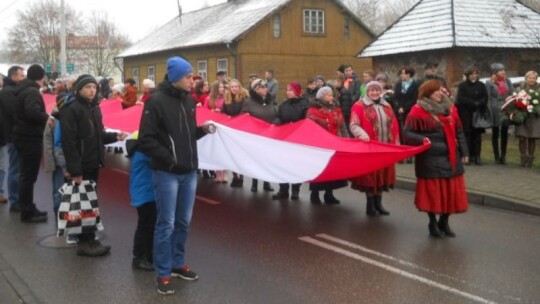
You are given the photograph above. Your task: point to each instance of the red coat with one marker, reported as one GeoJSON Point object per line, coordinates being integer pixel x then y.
{"type": "Point", "coordinates": [327, 115]}
{"type": "Point", "coordinates": [130, 97]}
{"type": "Point", "coordinates": [365, 115]}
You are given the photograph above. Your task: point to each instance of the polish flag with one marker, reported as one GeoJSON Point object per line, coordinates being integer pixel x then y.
{"type": "Point", "coordinates": [292, 153]}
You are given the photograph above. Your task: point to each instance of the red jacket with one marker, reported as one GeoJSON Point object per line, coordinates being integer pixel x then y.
{"type": "Point", "coordinates": [365, 116]}
{"type": "Point", "coordinates": [130, 98]}
{"type": "Point", "coordinates": [327, 115]}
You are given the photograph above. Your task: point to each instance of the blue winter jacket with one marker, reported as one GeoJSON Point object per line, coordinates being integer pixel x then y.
{"type": "Point", "coordinates": [141, 187]}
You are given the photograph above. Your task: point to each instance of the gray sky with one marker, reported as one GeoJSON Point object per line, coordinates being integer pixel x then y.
{"type": "Point", "coordinates": [135, 18]}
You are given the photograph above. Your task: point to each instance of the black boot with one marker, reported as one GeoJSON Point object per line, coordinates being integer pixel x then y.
{"type": "Point", "coordinates": [254, 184]}
{"type": "Point", "coordinates": [268, 188]}
{"type": "Point", "coordinates": [478, 161]}
{"type": "Point", "coordinates": [444, 227]}
{"type": "Point", "coordinates": [377, 200]}
{"type": "Point", "coordinates": [370, 206]}
{"type": "Point", "coordinates": [502, 160]}
{"type": "Point", "coordinates": [295, 193]}
{"type": "Point", "coordinates": [314, 198]}
{"type": "Point", "coordinates": [280, 195]}
{"type": "Point", "coordinates": [329, 198]}
{"type": "Point", "coordinates": [434, 230]}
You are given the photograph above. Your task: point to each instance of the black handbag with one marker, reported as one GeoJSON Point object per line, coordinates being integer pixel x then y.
{"type": "Point", "coordinates": [483, 119]}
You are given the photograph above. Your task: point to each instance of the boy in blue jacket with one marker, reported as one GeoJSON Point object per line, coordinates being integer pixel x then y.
{"type": "Point", "coordinates": [142, 195]}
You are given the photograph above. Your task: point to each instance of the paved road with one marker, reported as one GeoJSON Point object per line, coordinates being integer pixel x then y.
{"type": "Point", "coordinates": [249, 249]}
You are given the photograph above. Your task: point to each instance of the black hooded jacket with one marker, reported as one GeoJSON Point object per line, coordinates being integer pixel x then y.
{"type": "Point", "coordinates": [83, 136]}
{"type": "Point", "coordinates": [292, 110]}
{"type": "Point", "coordinates": [168, 133]}
{"type": "Point", "coordinates": [30, 114]}
{"type": "Point", "coordinates": [260, 107]}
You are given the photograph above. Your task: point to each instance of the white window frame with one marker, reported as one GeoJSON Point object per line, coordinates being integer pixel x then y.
{"type": "Point", "coordinates": [135, 75]}
{"type": "Point", "coordinates": [277, 26]}
{"type": "Point", "coordinates": [151, 72]}
{"type": "Point", "coordinates": [220, 67]}
{"type": "Point", "coordinates": [203, 72]}
{"type": "Point", "coordinates": [314, 21]}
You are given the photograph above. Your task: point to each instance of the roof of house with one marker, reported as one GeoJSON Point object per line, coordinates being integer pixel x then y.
{"type": "Point", "coordinates": [219, 24]}
{"type": "Point", "coordinates": [439, 24]}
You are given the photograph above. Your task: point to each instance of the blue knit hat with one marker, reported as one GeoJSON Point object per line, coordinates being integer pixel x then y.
{"type": "Point", "coordinates": [177, 68]}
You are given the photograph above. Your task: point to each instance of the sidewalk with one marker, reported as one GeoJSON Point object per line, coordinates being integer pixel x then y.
{"type": "Point", "coordinates": [505, 187]}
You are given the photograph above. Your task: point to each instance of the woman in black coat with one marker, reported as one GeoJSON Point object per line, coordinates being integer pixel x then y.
{"type": "Point", "coordinates": [471, 97]}
{"type": "Point", "coordinates": [291, 110]}
{"type": "Point", "coordinates": [405, 95]}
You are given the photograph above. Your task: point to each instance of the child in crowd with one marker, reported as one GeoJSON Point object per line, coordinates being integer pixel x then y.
{"type": "Point", "coordinates": [142, 195]}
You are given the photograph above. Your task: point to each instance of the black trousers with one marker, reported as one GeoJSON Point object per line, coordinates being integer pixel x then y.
{"type": "Point", "coordinates": [503, 131]}
{"type": "Point", "coordinates": [89, 175]}
{"type": "Point", "coordinates": [143, 242]}
{"type": "Point", "coordinates": [474, 142]}
{"type": "Point", "coordinates": [29, 160]}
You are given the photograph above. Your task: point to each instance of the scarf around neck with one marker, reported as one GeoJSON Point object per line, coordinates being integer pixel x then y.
{"type": "Point", "coordinates": [442, 112]}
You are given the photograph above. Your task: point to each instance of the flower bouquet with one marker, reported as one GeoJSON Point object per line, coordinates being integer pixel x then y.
{"type": "Point", "coordinates": [518, 106]}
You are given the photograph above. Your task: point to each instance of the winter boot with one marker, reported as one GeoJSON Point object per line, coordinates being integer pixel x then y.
{"type": "Point", "coordinates": [254, 184]}
{"type": "Point", "coordinates": [377, 200]}
{"type": "Point", "coordinates": [268, 188]}
{"type": "Point", "coordinates": [329, 198]}
{"type": "Point", "coordinates": [444, 227]}
{"type": "Point", "coordinates": [314, 198]}
{"type": "Point", "coordinates": [370, 206]}
{"type": "Point", "coordinates": [434, 230]}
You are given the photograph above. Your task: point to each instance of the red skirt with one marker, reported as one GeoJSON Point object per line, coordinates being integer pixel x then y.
{"type": "Point", "coordinates": [375, 182]}
{"type": "Point", "coordinates": [441, 195]}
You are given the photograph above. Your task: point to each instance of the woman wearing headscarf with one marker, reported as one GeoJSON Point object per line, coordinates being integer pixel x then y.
{"type": "Point", "coordinates": [373, 119]}
{"type": "Point", "coordinates": [328, 115]}
{"type": "Point", "coordinates": [440, 186]}
{"type": "Point", "coordinates": [291, 110]}
{"type": "Point", "coordinates": [529, 131]}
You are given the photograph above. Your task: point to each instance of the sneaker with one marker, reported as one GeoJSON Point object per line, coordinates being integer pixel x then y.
{"type": "Point", "coordinates": [185, 273]}
{"type": "Point", "coordinates": [72, 239]}
{"type": "Point", "coordinates": [92, 249]}
{"type": "Point", "coordinates": [164, 286]}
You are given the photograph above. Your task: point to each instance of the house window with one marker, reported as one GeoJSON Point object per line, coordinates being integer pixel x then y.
{"type": "Point", "coordinates": [346, 27]}
{"type": "Point", "coordinates": [152, 72]}
{"type": "Point", "coordinates": [222, 65]}
{"type": "Point", "coordinates": [277, 26]}
{"type": "Point", "coordinates": [202, 69]}
{"type": "Point", "coordinates": [135, 75]}
{"type": "Point", "coordinates": [313, 21]}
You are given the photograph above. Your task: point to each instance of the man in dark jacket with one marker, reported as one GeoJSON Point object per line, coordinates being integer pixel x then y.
{"type": "Point", "coordinates": [83, 140]}
{"type": "Point", "coordinates": [15, 75]}
{"type": "Point", "coordinates": [30, 120]}
{"type": "Point", "coordinates": [168, 135]}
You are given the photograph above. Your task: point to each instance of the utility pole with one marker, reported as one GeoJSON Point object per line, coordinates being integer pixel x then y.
{"type": "Point", "coordinates": [63, 54]}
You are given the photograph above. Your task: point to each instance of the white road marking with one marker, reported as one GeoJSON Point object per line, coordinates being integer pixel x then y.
{"type": "Point", "coordinates": [395, 270]}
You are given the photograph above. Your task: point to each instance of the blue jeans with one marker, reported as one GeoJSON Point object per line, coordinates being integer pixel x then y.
{"type": "Point", "coordinates": [13, 174]}
{"type": "Point", "coordinates": [175, 198]}
{"type": "Point", "coordinates": [3, 150]}
{"type": "Point", "coordinates": [57, 183]}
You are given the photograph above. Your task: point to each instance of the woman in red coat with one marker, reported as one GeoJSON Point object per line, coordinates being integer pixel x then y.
{"type": "Point", "coordinates": [440, 186]}
{"type": "Point", "coordinates": [328, 115]}
{"type": "Point", "coordinates": [373, 119]}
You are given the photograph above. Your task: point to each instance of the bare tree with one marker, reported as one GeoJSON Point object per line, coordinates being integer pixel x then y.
{"type": "Point", "coordinates": [379, 14]}
{"type": "Point", "coordinates": [105, 43]}
{"type": "Point", "coordinates": [35, 36]}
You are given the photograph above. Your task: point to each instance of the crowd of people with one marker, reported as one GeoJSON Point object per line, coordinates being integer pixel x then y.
{"type": "Point", "coordinates": [163, 154]}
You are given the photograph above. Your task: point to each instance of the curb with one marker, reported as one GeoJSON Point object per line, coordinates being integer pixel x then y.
{"type": "Point", "coordinates": [481, 198]}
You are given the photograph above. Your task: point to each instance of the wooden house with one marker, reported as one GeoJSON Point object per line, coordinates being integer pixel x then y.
{"type": "Point", "coordinates": [297, 39]}
{"type": "Point", "coordinates": [457, 34]}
